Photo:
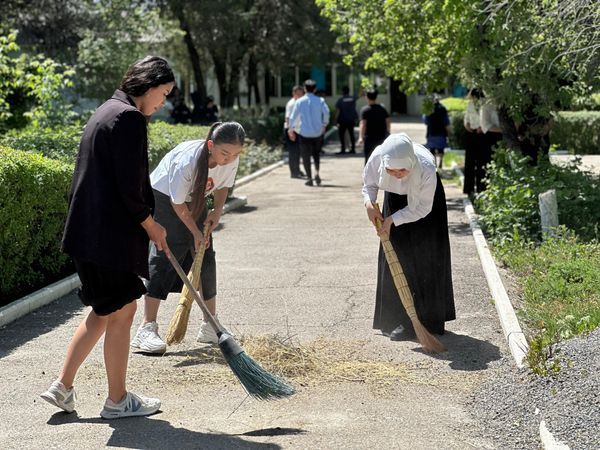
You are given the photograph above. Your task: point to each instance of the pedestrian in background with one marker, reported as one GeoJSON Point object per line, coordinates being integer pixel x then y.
{"type": "Point", "coordinates": [307, 123]}
{"type": "Point", "coordinates": [292, 146]}
{"type": "Point", "coordinates": [438, 127]}
{"type": "Point", "coordinates": [346, 117]}
{"type": "Point", "coordinates": [474, 141]}
{"type": "Point", "coordinates": [375, 124]}
{"type": "Point", "coordinates": [108, 228]}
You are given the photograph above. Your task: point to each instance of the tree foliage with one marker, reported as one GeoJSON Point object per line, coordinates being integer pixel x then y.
{"type": "Point", "coordinates": [31, 87]}
{"type": "Point", "coordinates": [530, 58]}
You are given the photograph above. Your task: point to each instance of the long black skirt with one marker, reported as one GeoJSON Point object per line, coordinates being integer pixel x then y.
{"type": "Point", "coordinates": [423, 249]}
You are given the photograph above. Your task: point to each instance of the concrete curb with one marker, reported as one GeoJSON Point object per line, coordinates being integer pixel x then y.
{"type": "Point", "coordinates": [38, 299]}
{"type": "Point", "coordinates": [44, 296]}
{"type": "Point", "coordinates": [508, 319]}
{"type": "Point", "coordinates": [259, 173]}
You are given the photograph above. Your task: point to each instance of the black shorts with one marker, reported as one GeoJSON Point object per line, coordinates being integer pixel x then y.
{"type": "Point", "coordinates": [163, 278]}
{"type": "Point", "coordinates": [107, 290]}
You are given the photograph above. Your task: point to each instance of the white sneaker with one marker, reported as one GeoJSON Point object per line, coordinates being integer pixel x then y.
{"type": "Point", "coordinates": [58, 395]}
{"type": "Point", "coordinates": [147, 339]}
{"type": "Point", "coordinates": [131, 405]}
{"type": "Point", "coordinates": [207, 334]}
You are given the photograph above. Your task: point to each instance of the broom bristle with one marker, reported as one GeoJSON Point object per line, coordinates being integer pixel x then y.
{"type": "Point", "coordinates": [178, 324]}
{"type": "Point", "coordinates": [256, 380]}
{"type": "Point", "coordinates": [429, 342]}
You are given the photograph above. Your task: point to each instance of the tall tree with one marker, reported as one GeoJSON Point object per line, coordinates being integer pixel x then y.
{"type": "Point", "coordinates": [529, 57]}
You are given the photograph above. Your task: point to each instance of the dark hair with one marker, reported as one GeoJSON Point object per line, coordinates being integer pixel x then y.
{"type": "Point", "coordinates": [219, 133]}
{"type": "Point", "coordinates": [297, 88]}
{"type": "Point", "coordinates": [310, 85]}
{"type": "Point", "coordinates": [345, 90]}
{"type": "Point", "coordinates": [476, 93]}
{"type": "Point", "coordinates": [372, 94]}
{"type": "Point", "coordinates": [145, 74]}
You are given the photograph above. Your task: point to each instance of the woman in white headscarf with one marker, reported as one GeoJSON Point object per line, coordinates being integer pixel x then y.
{"type": "Point", "coordinates": [415, 217]}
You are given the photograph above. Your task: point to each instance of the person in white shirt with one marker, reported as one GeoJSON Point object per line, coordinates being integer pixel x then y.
{"type": "Point", "coordinates": [181, 182]}
{"type": "Point", "coordinates": [490, 127]}
{"type": "Point", "coordinates": [415, 218]}
{"type": "Point", "coordinates": [292, 146]}
{"type": "Point", "coordinates": [474, 141]}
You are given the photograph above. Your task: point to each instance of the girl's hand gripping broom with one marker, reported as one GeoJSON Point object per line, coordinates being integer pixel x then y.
{"type": "Point", "coordinates": [256, 381]}
{"type": "Point", "coordinates": [179, 321]}
{"type": "Point", "coordinates": [429, 342]}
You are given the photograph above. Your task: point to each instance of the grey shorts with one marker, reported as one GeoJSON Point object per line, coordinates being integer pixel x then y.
{"type": "Point", "coordinates": [163, 278]}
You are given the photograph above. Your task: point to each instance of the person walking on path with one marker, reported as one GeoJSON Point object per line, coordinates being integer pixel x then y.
{"type": "Point", "coordinates": [474, 141]}
{"type": "Point", "coordinates": [346, 117]}
{"type": "Point", "coordinates": [375, 124]}
{"type": "Point", "coordinates": [180, 182]}
{"type": "Point", "coordinates": [292, 146]}
{"type": "Point", "coordinates": [415, 218]}
{"type": "Point", "coordinates": [108, 227]}
{"type": "Point", "coordinates": [307, 123]}
{"type": "Point", "coordinates": [438, 124]}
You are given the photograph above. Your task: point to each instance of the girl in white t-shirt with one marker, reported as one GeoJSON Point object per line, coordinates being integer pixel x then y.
{"type": "Point", "coordinates": [181, 182]}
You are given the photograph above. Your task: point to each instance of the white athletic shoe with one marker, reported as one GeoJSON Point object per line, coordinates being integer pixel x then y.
{"type": "Point", "coordinates": [147, 339]}
{"type": "Point", "coordinates": [58, 395]}
{"type": "Point", "coordinates": [131, 405]}
{"type": "Point", "coordinates": [207, 334]}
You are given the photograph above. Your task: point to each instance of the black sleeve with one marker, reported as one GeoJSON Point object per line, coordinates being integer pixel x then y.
{"type": "Point", "coordinates": [129, 158]}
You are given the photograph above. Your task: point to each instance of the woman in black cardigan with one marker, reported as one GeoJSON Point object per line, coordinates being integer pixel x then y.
{"type": "Point", "coordinates": [108, 228]}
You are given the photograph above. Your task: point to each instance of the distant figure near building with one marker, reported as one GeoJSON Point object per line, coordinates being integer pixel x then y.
{"type": "Point", "coordinates": [438, 125]}
{"type": "Point", "coordinates": [292, 146]}
{"type": "Point", "coordinates": [346, 117]}
{"type": "Point", "coordinates": [375, 124]}
{"type": "Point", "coordinates": [308, 121]}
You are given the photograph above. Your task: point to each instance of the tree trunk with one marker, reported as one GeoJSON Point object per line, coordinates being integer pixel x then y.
{"type": "Point", "coordinates": [193, 52]}
{"type": "Point", "coordinates": [253, 80]}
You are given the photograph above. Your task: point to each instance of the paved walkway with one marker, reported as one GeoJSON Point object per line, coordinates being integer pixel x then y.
{"type": "Point", "coordinates": [299, 262]}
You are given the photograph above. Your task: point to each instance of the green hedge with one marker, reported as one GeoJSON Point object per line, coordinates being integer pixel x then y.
{"type": "Point", "coordinates": [455, 104]}
{"type": "Point", "coordinates": [509, 206]}
{"type": "Point", "coordinates": [578, 132]}
{"type": "Point", "coordinates": [33, 207]}
{"type": "Point", "coordinates": [163, 137]}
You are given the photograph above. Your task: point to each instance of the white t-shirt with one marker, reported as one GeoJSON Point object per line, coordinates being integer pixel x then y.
{"type": "Point", "coordinates": [428, 184]}
{"type": "Point", "coordinates": [488, 117]}
{"type": "Point", "coordinates": [472, 116]}
{"type": "Point", "coordinates": [174, 176]}
{"type": "Point", "coordinates": [289, 106]}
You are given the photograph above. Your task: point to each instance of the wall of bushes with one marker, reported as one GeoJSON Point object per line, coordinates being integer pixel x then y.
{"type": "Point", "coordinates": [36, 167]}
{"type": "Point", "coordinates": [33, 207]}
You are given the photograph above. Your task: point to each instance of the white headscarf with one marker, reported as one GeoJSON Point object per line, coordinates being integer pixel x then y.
{"type": "Point", "coordinates": [397, 152]}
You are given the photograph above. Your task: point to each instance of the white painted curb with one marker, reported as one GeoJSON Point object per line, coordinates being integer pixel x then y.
{"type": "Point", "coordinates": [258, 173]}
{"type": "Point", "coordinates": [508, 319]}
{"type": "Point", "coordinates": [38, 299]}
{"type": "Point", "coordinates": [549, 442]}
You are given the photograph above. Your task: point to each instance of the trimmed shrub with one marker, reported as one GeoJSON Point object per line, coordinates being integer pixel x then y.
{"type": "Point", "coordinates": [509, 206]}
{"type": "Point", "coordinates": [260, 127]}
{"type": "Point", "coordinates": [163, 137]}
{"type": "Point", "coordinates": [455, 104]}
{"type": "Point", "coordinates": [578, 132]}
{"type": "Point", "coordinates": [458, 134]}
{"type": "Point", "coordinates": [33, 208]}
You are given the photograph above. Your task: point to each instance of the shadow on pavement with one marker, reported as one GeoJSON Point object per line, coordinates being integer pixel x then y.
{"type": "Point", "coordinates": [467, 353]}
{"type": "Point", "coordinates": [39, 322]}
{"type": "Point", "coordinates": [243, 210]}
{"type": "Point", "coordinates": [154, 434]}
{"type": "Point", "coordinates": [198, 356]}
{"type": "Point", "coordinates": [277, 431]}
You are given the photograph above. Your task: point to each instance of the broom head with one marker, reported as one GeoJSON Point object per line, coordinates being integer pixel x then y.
{"type": "Point", "coordinates": [179, 323]}
{"type": "Point", "coordinates": [428, 341]}
{"type": "Point", "coordinates": [257, 382]}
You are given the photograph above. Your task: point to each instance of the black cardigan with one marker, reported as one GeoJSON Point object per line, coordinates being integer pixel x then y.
{"type": "Point", "coordinates": [111, 193]}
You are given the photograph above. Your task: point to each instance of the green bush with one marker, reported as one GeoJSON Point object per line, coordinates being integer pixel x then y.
{"type": "Point", "coordinates": [587, 103]}
{"type": "Point", "coordinates": [258, 126]}
{"type": "Point", "coordinates": [458, 134]}
{"type": "Point", "coordinates": [33, 208]}
{"type": "Point", "coordinates": [163, 137]}
{"type": "Point", "coordinates": [509, 207]}
{"type": "Point", "coordinates": [578, 132]}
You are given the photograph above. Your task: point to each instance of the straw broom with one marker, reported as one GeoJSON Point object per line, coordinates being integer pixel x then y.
{"type": "Point", "coordinates": [181, 317]}
{"type": "Point", "coordinates": [256, 381]}
{"type": "Point", "coordinates": [429, 342]}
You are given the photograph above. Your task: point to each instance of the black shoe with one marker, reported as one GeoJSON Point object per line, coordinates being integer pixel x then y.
{"type": "Point", "coordinates": [352, 151]}
{"type": "Point", "coordinates": [401, 333]}
{"type": "Point", "coordinates": [309, 183]}
{"type": "Point", "coordinates": [296, 176]}
{"type": "Point", "coordinates": [341, 152]}
{"type": "Point", "coordinates": [301, 174]}
{"type": "Point", "coordinates": [318, 180]}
